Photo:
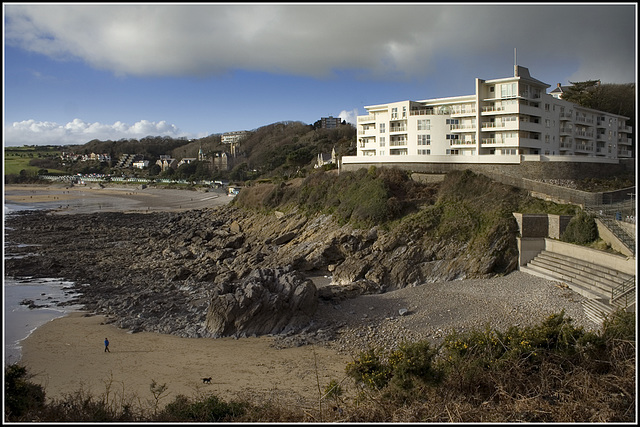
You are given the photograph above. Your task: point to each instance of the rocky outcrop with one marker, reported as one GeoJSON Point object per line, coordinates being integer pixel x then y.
{"type": "Point", "coordinates": [226, 271]}
{"type": "Point", "coordinates": [267, 301]}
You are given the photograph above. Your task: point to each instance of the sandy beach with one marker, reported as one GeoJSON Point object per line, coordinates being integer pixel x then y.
{"type": "Point", "coordinates": [71, 199]}
{"type": "Point", "coordinates": [67, 355]}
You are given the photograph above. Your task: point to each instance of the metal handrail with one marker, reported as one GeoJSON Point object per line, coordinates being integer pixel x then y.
{"type": "Point", "coordinates": [623, 290]}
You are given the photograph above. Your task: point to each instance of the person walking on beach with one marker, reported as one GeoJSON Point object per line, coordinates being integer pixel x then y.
{"type": "Point", "coordinates": [106, 345]}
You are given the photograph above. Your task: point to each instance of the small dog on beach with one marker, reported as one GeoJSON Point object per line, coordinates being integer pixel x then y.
{"type": "Point", "coordinates": [206, 380]}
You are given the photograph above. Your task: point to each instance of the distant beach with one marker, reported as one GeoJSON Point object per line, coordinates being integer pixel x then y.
{"type": "Point", "coordinates": [68, 199]}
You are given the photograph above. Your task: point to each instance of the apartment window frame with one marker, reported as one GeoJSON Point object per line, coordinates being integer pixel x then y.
{"type": "Point", "coordinates": [424, 139]}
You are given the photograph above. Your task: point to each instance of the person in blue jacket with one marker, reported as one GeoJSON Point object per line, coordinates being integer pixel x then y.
{"type": "Point", "coordinates": [106, 345]}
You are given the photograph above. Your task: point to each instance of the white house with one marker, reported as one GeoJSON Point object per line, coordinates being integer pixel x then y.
{"type": "Point", "coordinates": [506, 120]}
{"type": "Point", "coordinates": [141, 164]}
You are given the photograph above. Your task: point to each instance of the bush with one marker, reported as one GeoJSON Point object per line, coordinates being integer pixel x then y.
{"type": "Point", "coordinates": [210, 409]}
{"type": "Point", "coordinates": [581, 230]}
{"type": "Point", "coordinates": [369, 369]}
{"type": "Point", "coordinates": [20, 395]}
{"type": "Point", "coordinates": [409, 365]}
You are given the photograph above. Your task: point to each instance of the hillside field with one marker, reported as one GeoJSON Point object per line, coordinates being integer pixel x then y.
{"type": "Point", "coordinates": [17, 159]}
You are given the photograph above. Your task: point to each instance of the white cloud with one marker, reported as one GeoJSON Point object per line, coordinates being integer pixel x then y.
{"type": "Point", "coordinates": [32, 132]}
{"type": "Point", "coordinates": [316, 39]}
{"type": "Point", "coordinates": [349, 116]}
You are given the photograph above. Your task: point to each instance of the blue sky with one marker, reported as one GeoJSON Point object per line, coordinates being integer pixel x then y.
{"type": "Point", "coordinates": [77, 72]}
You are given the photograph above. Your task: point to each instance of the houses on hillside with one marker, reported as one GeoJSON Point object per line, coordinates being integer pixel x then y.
{"type": "Point", "coordinates": [506, 120]}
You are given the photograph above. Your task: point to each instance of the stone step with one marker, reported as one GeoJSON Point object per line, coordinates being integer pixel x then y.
{"type": "Point", "coordinates": [595, 286]}
{"type": "Point", "coordinates": [626, 299]}
{"type": "Point", "coordinates": [545, 273]}
{"type": "Point", "coordinates": [567, 274]}
{"type": "Point", "coordinates": [596, 310]}
{"type": "Point", "coordinates": [615, 276]}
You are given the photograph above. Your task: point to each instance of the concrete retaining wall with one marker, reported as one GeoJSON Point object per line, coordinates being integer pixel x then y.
{"type": "Point", "coordinates": [525, 175]}
{"type": "Point", "coordinates": [617, 262]}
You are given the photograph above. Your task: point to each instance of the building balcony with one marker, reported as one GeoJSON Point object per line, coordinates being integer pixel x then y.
{"type": "Point", "coordinates": [367, 133]}
{"type": "Point", "coordinates": [398, 143]}
{"type": "Point", "coordinates": [494, 142]}
{"type": "Point", "coordinates": [531, 95]}
{"type": "Point", "coordinates": [566, 131]}
{"type": "Point", "coordinates": [625, 141]}
{"type": "Point", "coordinates": [585, 148]}
{"type": "Point", "coordinates": [583, 134]}
{"type": "Point", "coordinates": [459, 143]}
{"type": "Point", "coordinates": [489, 125]}
{"type": "Point", "coordinates": [365, 119]}
{"type": "Point", "coordinates": [624, 153]}
{"type": "Point", "coordinates": [464, 128]}
{"type": "Point", "coordinates": [625, 129]}
{"type": "Point", "coordinates": [393, 129]}
{"type": "Point", "coordinates": [425, 112]}
{"type": "Point", "coordinates": [565, 116]}
{"type": "Point", "coordinates": [584, 120]}
{"type": "Point", "coordinates": [463, 112]}
{"type": "Point", "coordinates": [493, 109]}
{"type": "Point", "coordinates": [566, 145]}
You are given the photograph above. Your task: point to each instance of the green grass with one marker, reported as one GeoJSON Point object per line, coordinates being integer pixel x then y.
{"type": "Point", "coordinates": [17, 159]}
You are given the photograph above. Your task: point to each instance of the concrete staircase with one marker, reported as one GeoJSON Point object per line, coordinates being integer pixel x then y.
{"type": "Point", "coordinates": [606, 289]}
{"type": "Point", "coordinates": [609, 215]}
{"type": "Point", "coordinates": [628, 241]}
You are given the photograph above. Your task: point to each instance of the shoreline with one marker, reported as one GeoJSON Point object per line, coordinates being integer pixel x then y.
{"type": "Point", "coordinates": [67, 354]}
{"type": "Point", "coordinates": [71, 199]}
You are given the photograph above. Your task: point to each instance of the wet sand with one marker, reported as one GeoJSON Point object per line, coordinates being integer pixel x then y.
{"type": "Point", "coordinates": [67, 355]}
{"type": "Point", "coordinates": [66, 199]}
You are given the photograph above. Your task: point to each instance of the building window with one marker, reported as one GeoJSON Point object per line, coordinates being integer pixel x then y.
{"type": "Point", "coordinates": [394, 113]}
{"type": "Point", "coordinates": [453, 152]}
{"type": "Point", "coordinates": [383, 127]}
{"type": "Point", "coordinates": [452, 121]}
{"type": "Point", "coordinates": [424, 152]}
{"type": "Point", "coordinates": [398, 152]}
{"type": "Point", "coordinates": [424, 139]}
{"type": "Point", "coordinates": [509, 90]}
{"type": "Point", "coordinates": [382, 141]}
{"type": "Point", "coordinates": [453, 137]}
{"type": "Point", "coordinates": [424, 124]}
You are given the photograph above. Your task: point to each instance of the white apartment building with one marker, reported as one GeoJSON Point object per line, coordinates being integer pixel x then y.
{"type": "Point", "coordinates": [507, 120]}
{"type": "Point", "coordinates": [233, 137]}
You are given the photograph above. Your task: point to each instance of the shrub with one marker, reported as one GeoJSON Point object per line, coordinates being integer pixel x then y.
{"type": "Point", "coordinates": [209, 409]}
{"type": "Point", "coordinates": [409, 365]}
{"type": "Point", "coordinates": [412, 363]}
{"type": "Point", "coordinates": [20, 395]}
{"type": "Point", "coordinates": [581, 230]}
{"type": "Point", "coordinates": [369, 369]}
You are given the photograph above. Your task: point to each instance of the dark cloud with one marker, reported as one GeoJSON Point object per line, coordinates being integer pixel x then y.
{"type": "Point", "coordinates": [314, 40]}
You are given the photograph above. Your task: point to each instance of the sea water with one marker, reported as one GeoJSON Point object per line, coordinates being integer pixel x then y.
{"type": "Point", "coordinates": [19, 321]}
